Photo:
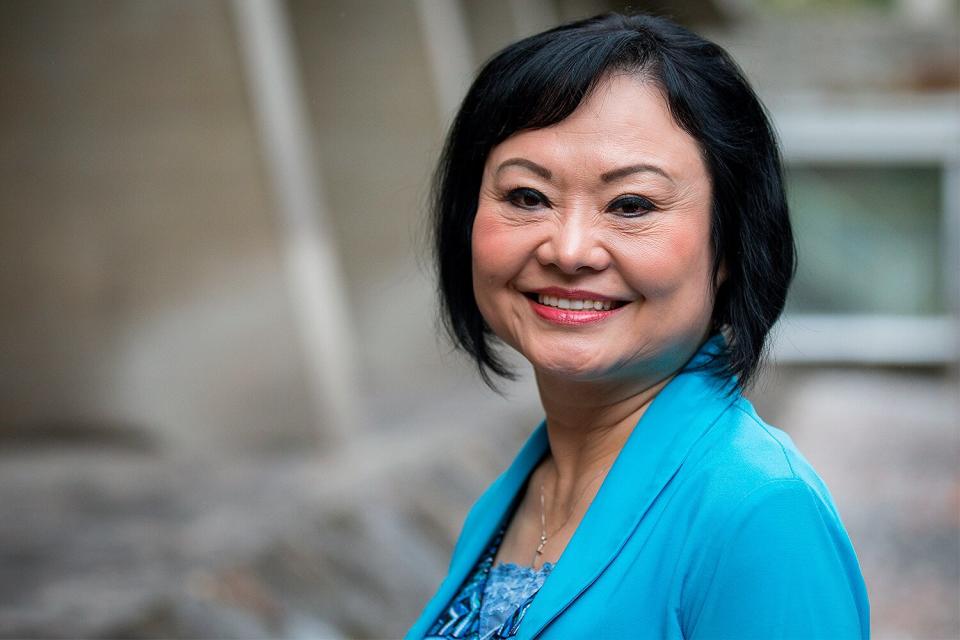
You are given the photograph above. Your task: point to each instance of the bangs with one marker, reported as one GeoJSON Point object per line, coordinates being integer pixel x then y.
{"type": "Point", "coordinates": [543, 80]}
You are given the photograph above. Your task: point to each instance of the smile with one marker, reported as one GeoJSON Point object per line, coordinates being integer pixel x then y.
{"type": "Point", "coordinates": [572, 311]}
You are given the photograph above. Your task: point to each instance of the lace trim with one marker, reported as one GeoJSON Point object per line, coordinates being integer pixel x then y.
{"type": "Point", "coordinates": [509, 586]}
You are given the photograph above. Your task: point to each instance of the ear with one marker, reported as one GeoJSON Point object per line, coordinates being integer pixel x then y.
{"type": "Point", "coordinates": [721, 274]}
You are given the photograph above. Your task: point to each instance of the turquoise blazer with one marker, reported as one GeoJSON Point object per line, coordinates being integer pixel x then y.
{"type": "Point", "coordinates": [709, 524]}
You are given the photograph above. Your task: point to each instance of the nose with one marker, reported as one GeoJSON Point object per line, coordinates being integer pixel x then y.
{"type": "Point", "coordinates": [574, 244]}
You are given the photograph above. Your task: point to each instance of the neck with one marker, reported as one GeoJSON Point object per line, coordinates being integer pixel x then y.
{"type": "Point", "coordinates": [587, 426]}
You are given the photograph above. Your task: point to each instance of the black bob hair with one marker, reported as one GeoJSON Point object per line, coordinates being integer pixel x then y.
{"type": "Point", "coordinates": [540, 80]}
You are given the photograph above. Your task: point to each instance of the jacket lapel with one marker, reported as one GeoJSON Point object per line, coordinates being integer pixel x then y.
{"type": "Point", "coordinates": [681, 413]}
{"type": "Point", "coordinates": [482, 522]}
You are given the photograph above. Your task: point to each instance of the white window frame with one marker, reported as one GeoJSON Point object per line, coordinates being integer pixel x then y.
{"type": "Point", "coordinates": [900, 132]}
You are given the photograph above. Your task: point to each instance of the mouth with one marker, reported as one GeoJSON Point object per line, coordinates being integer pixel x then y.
{"type": "Point", "coordinates": [578, 303]}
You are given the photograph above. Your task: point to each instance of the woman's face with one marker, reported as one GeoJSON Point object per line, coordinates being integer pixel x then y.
{"type": "Point", "coordinates": [591, 244]}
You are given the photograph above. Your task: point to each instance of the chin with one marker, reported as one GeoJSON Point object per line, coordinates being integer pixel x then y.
{"type": "Point", "coordinates": [570, 366]}
{"type": "Point", "coordinates": [579, 365]}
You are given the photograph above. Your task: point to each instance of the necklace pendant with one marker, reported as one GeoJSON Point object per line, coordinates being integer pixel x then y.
{"type": "Point", "coordinates": [543, 541]}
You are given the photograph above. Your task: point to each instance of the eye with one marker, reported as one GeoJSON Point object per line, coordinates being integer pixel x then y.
{"type": "Point", "coordinates": [631, 206]}
{"type": "Point", "coordinates": [526, 198]}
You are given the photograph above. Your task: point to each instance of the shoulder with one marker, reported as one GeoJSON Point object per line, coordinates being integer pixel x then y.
{"type": "Point", "coordinates": [742, 460]}
{"type": "Point", "coordinates": [746, 470]}
{"type": "Point", "coordinates": [771, 552]}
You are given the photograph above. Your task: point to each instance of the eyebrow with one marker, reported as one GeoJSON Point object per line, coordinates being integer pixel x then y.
{"type": "Point", "coordinates": [541, 171]}
{"type": "Point", "coordinates": [609, 176]}
{"type": "Point", "coordinates": [623, 172]}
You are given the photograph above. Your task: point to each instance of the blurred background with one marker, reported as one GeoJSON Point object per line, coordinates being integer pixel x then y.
{"type": "Point", "coordinates": [226, 408]}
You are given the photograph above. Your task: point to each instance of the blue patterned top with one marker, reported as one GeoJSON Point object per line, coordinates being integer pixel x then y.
{"type": "Point", "coordinates": [492, 601]}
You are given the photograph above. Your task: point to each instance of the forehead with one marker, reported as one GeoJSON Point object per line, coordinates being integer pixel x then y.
{"type": "Point", "coordinates": [625, 120]}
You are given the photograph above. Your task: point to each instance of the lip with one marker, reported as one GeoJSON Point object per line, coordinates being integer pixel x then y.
{"type": "Point", "coordinates": [568, 317]}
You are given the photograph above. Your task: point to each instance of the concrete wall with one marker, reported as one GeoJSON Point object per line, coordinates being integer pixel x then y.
{"type": "Point", "coordinates": [140, 274]}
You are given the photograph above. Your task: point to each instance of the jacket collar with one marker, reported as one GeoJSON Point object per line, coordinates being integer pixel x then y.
{"type": "Point", "coordinates": [679, 415]}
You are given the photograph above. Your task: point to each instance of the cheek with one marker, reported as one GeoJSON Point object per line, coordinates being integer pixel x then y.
{"type": "Point", "coordinates": [694, 293]}
{"type": "Point", "coordinates": [483, 243]}
{"type": "Point", "coordinates": [670, 262]}
{"type": "Point", "coordinates": [491, 265]}
{"type": "Point", "coordinates": [498, 257]}
{"type": "Point", "coordinates": [497, 249]}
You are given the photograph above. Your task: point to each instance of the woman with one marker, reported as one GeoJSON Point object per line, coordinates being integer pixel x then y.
{"type": "Point", "coordinates": [610, 204]}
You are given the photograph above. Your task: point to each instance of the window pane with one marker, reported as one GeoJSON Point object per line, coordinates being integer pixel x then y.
{"type": "Point", "coordinates": [868, 239]}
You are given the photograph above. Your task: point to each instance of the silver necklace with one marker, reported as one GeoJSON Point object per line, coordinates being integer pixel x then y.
{"type": "Point", "coordinates": [543, 517]}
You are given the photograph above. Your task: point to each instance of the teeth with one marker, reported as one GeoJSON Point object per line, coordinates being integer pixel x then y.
{"type": "Point", "coordinates": [575, 305]}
